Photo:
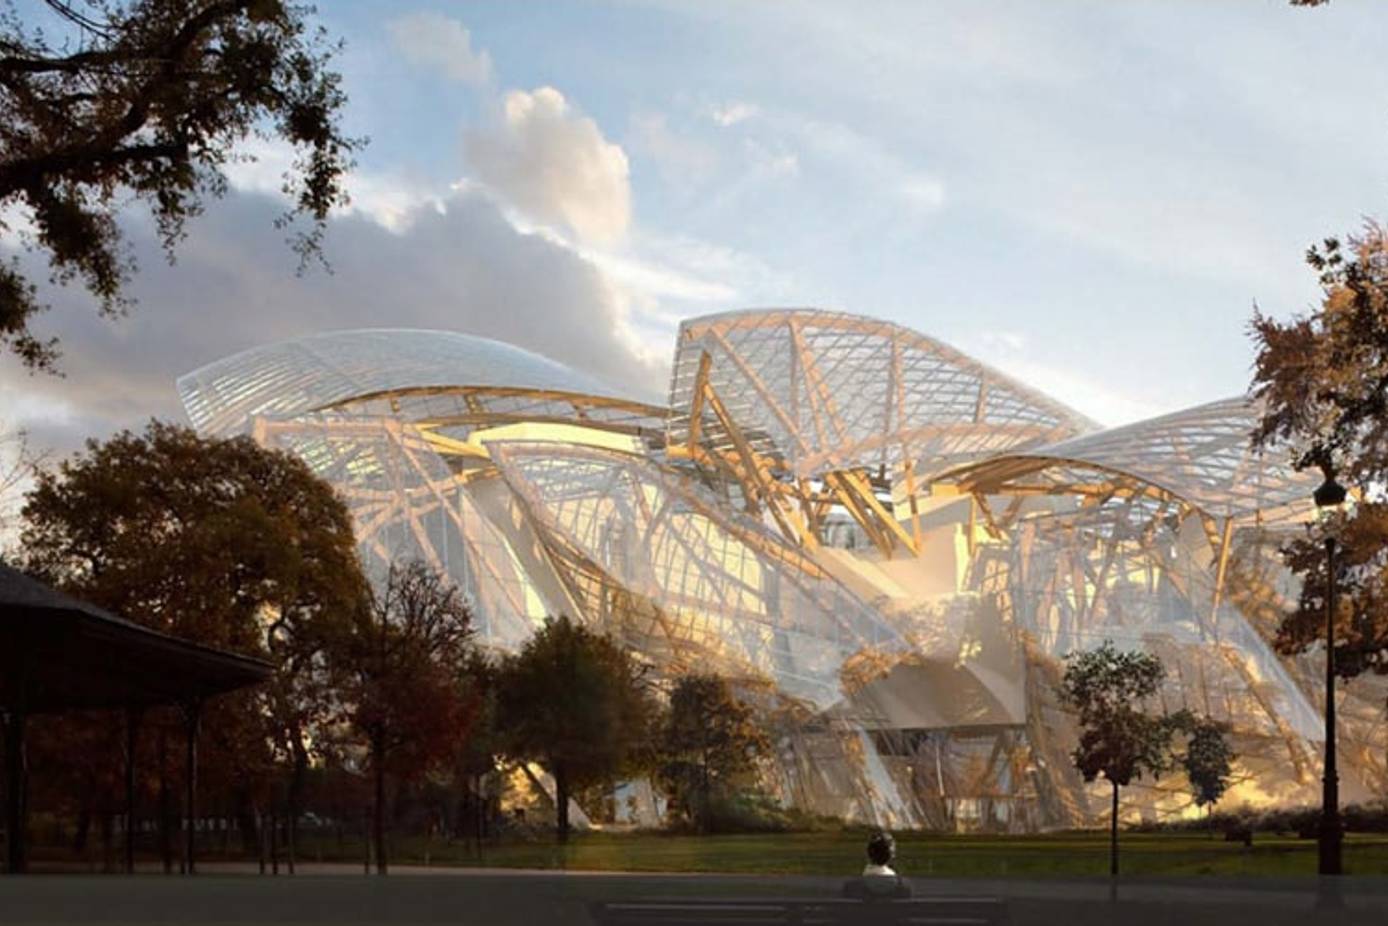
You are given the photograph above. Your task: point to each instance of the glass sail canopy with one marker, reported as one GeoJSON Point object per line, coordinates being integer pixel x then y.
{"type": "Point", "coordinates": [887, 545]}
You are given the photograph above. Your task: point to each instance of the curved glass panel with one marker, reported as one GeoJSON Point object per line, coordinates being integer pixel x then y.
{"type": "Point", "coordinates": [319, 370]}
{"type": "Point", "coordinates": [828, 390]}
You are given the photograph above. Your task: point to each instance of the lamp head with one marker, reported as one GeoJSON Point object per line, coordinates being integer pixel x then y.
{"type": "Point", "coordinates": [1329, 494]}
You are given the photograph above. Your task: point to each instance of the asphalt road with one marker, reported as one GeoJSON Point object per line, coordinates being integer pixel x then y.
{"type": "Point", "coordinates": [418, 896]}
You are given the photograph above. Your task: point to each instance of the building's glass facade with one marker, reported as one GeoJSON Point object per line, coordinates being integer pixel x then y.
{"type": "Point", "coordinates": [888, 545]}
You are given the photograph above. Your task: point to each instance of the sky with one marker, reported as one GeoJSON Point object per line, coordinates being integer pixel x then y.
{"type": "Point", "coordinates": [1089, 196]}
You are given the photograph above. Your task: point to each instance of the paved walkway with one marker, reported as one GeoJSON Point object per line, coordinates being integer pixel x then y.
{"type": "Point", "coordinates": [415, 895]}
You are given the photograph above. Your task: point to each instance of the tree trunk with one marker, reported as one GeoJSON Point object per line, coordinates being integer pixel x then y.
{"type": "Point", "coordinates": [247, 822]}
{"type": "Point", "coordinates": [106, 826]}
{"type": "Point", "coordinates": [705, 810]}
{"type": "Point", "coordinates": [84, 827]}
{"type": "Point", "coordinates": [561, 802]}
{"type": "Point", "coordinates": [479, 820]}
{"type": "Point", "coordinates": [378, 811]}
{"type": "Point", "coordinates": [1113, 835]}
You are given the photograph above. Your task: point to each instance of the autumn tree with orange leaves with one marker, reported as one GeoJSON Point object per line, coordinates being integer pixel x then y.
{"type": "Point", "coordinates": [1323, 378]}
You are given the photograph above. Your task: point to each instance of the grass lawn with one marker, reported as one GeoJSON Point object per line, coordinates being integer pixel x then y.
{"type": "Point", "coordinates": [918, 854]}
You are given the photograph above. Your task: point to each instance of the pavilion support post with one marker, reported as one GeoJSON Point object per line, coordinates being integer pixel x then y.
{"type": "Point", "coordinates": [16, 791]}
{"type": "Point", "coordinates": [192, 719]}
{"type": "Point", "coordinates": [165, 802]}
{"type": "Point", "coordinates": [132, 732]}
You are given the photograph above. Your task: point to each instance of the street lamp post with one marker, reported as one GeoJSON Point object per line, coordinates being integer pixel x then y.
{"type": "Point", "coordinates": [1329, 496]}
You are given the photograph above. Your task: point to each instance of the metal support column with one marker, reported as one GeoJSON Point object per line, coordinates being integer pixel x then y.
{"type": "Point", "coordinates": [192, 716]}
{"type": "Point", "coordinates": [16, 791]}
{"type": "Point", "coordinates": [1330, 835]}
{"type": "Point", "coordinates": [132, 729]}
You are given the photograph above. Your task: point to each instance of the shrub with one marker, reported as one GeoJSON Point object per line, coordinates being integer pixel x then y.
{"type": "Point", "coordinates": [755, 812]}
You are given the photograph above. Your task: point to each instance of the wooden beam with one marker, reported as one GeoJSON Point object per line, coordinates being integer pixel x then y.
{"type": "Point", "coordinates": [909, 472]}
{"type": "Point", "coordinates": [757, 477]}
{"type": "Point", "coordinates": [856, 507]}
{"type": "Point", "coordinates": [1221, 571]}
{"type": "Point", "coordinates": [696, 405]}
{"type": "Point", "coordinates": [864, 491]}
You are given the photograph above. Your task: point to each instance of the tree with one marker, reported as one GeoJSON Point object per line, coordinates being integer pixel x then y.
{"type": "Point", "coordinates": [576, 703]}
{"type": "Point", "coordinates": [218, 541]}
{"type": "Point", "coordinates": [400, 683]}
{"type": "Point", "coordinates": [475, 758]}
{"type": "Point", "coordinates": [709, 743]}
{"type": "Point", "coordinates": [1323, 382]}
{"type": "Point", "coordinates": [1117, 738]}
{"type": "Point", "coordinates": [17, 464]}
{"type": "Point", "coordinates": [1207, 760]}
{"type": "Point", "coordinates": [109, 101]}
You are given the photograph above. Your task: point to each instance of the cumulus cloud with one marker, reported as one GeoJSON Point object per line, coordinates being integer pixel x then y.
{"type": "Point", "coordinates": [390, 200]}
{"type": "Point", "coordinates": [553, 163]}
{"type": "Point", "coordinates": [441, 42]}
{"type": "Point", "coordinates": [465, 268]}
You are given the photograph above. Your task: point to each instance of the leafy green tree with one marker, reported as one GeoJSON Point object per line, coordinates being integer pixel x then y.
{"type": "Point", "coordinates": [578, 704]}
{"type": "Point", "coordinates": [709, 745]}
{"type": "Point", "coordinates": [1323, 379]}
{"type": "Point", "coordinates": [1118, 739]}
{"type": "Point", "coordinates": [218, 541]}
{"type": "Point", "coordinates": [476, 757]}
{"type": "Point", "coordinates": [104, 101]}
{"type": "Point", "coordinates": [398, 673]}
{"type": "Point", "coordinates": [1122, 736]}
{"type": "Point", "coordinates": [1207, 760]}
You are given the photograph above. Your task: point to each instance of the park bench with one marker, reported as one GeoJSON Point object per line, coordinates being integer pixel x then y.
{"type": "Point", "coordinates": [704, 911]}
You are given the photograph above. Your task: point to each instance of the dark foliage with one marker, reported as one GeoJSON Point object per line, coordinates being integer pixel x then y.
{"type": "Point", "coordinates": [397, 672]}
{"type": "Point", "coordinates": [579, 705]}
{"type": "Point", "coordinates": [1324, 381]}
{"type": "Point", "coordinates": [709, 746]}
{"type": "Point", "coordinates": [1122, 738]}
{"type": "Point", "coordinates": [102, 102]}
{"type": "Point", "coordinates": [221, 542]}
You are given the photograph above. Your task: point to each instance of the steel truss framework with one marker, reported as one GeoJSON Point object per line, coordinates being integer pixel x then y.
{"type": "Point", "coordinates": [887, 544]}
{"type": "Point", "coordinates": [1165, 534]}
{"type": "Point", "coordinates": [809, 411]}
{"type": "Point", "coordinates": [665, 567]}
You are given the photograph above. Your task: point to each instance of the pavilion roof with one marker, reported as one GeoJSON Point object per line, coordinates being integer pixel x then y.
{"type": "Point", "coordinates": [59, 653]}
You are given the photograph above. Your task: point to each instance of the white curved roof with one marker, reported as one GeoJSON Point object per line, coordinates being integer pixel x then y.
{"type": "Point", "coordinates": [293, 377]}
{"type": "Point", "coordinates": [1201, 454]}
{"type": "Point", "coordinates": [831, 390]}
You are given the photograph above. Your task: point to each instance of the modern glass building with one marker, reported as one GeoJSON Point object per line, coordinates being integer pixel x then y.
{"type": "Point", "coordinates": [888, 545]}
